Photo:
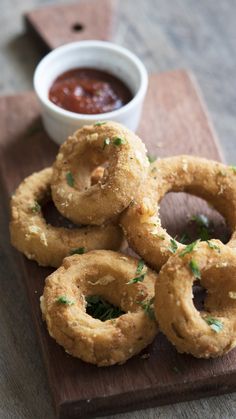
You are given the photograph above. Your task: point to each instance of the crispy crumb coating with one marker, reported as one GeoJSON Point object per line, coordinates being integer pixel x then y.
{"type": "Point", "coordinates": [177, 316]}
{"type": "Point", "coordinates": [104, 273]}
{"type": "Point", "coordinates": [42, 242]}
{"type": "Point", "coordinates": [207, 179]}
{"type": "Point", "coordinates": [124, 155]}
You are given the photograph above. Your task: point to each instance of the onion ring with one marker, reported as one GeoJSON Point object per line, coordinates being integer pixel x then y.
{"type": "Point", "coordinates": [210, 332]}
{"type": "Point", "coordinates": [104, 273]}
{"type": "Point", "coordinates": [89, 147]}
{"type": "Point", "coordinates": [209, 180]}
{"type": "Point", "coordinates": [44, 243]}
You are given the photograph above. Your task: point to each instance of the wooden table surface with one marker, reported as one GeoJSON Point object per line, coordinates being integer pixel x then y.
{"type": "Point", "coordinates": [198, 35]}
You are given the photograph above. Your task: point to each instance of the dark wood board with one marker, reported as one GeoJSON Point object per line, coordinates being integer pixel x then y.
{"type": "Point", "coordinates": [56, 25]}
{"type": "Point", "coordinates": [174, 121]}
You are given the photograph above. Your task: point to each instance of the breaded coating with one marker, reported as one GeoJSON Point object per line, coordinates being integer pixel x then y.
{"type": "Point", "coordinates": [42, 242]}
{"type": "Point", "coordinates": [124, 156]}
{"type": "Point", "coordinates": [106, 274]}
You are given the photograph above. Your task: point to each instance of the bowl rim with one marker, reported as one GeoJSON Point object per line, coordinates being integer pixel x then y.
{"type": "Point", "coordinates": [91, 44]}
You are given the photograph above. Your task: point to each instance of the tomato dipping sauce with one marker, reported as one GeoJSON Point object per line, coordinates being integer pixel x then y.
{"type": "Point", "coordinates": [89, 91]}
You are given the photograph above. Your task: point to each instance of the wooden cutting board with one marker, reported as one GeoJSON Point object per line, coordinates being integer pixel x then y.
{"type": "Point", "coordinates": [174, 121]}
{"type": "Point", "coordinates": [55, 25]}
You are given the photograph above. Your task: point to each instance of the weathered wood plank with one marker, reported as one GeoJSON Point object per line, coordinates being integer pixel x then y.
{"type": "Point", "coordinates": [173, 121]}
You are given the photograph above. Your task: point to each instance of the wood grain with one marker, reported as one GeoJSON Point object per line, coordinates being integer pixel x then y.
{"type": "Point", "coordinates": [79, 389]}
{"type": "Point", "coordinates": [56, 25]}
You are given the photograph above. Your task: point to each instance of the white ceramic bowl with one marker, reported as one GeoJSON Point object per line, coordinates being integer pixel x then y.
{"type": "Point", "coordinates": [119, 61]}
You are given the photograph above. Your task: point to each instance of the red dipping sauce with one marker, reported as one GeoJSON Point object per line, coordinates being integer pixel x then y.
{"type": "Point", "coordinates": [89, 91]}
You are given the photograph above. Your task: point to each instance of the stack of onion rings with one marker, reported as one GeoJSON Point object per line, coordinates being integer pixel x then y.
{"type": "Point", "coordinates": [100, 173]}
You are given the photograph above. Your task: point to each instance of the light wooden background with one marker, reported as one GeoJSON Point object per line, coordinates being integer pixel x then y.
{"type": "Point", "coordinates": [166, 34]}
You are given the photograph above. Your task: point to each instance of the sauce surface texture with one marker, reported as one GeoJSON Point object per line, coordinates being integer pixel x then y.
{"type": "Point", "coordinates": [89, 91]}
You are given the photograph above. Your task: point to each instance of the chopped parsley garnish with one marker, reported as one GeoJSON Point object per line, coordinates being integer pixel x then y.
{"type": "Point", "coordinates": [140, 276]}
{"type": "Point", "coordinates": [201, 220]}
{"type": "Point", "coordinates": [36, 207]}
{"type": "Point", "coordinates": [100, 309]}
{"type": "Point", "coordinates": [233, 168]}
{"type": "Point", "coordinates": [184, 238]}
{"type": "Point", "coordinates": [99, 123]}
{"type": "Point", "coordinates": [203, 225]}
{"type": "Point", "coordinates": [64, 300]}
{"type": "Point", "coordinates": [106, 142]}
{"type": "Point", "coordinates": [195, 269]}
{"type": "Point", "coordinates": [119, 141]}
{"type": "Point", "coordinates": [70, 180]}
{"type": "Point", "coordinates": [214, 324]}
{"type": "Point", "coordinates": [151, 159]}
{"type": "Point", "coordinates": [77, 251]}
{"type": "Point", "coordinates": [173, 246]}
{"type": "Point", "coordinates": [147, 306]}
{"type": "Point", "coordinates": [213, 246]}
{"type": "Point", "coordinates": [140, 266]}
{"type": "Point", "coordinates": [189, 248]}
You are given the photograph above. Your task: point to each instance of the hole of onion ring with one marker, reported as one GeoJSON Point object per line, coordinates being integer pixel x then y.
{"type": "Point", "coordinates": [199, 294]}
{"type": "Point", "coordinates": [177, 210]}
{"type": "Point", "coordinates": [54, 218]}
{"type": "Point", "coordinates": [98, 308]}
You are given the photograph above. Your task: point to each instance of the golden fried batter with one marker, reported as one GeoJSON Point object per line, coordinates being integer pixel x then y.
{"type": "Point", "coordinates": [103, 273]}
{"type": "Point", "coordinates": [111, 144]}
{"type": "Point", "coordinates": [210, 332]}
{"type": "Point", "coordinates": [207, 179]}
{"type": "Point", "coordinates": [42, 242]}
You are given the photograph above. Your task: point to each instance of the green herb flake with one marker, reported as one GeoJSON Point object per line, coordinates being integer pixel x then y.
{"type": "Point", "coordinates": [201, 220]}
{"type": "Point", "coordinates": [148, 308]}
{"type": "Point", "coordinates": [204, 234]}
{"type": "Point", "coordinates": [140, 276]}
{"type": "Point", "coordinates": [233, 168]}
{"type": "Point", "coordinates": [70, 180]}
{"type": "Point", "coordinates": [100, 309]}
{"type": "Point", "coordinates": [151, 159]}
{"type": "Point", "coordinates": [64, 300]}
{"type": "Point", "coordinates": [189, 248]}
{"type": "Point", "coordinates": [203, 225]}
{"type": "Point", "coordinates": [213, 246]}
{"type": "Point", "coordinates": [195, 269]}
{"type": "Point", "coordinates": [77, 251]}
{"type": "Point", "coordinates": [117, 141]}
{"type": "Point", "coordinates": [140, 266]}
{"type": "Point", "coordinates": [99, 123]}
{"type": "Point", "coordinates": [214, 324]}
{"type": "Point", "coordinates": [173, 246]}
{"type": "Point", "coordinates": [106, 142]}
{"type": "Point", "coordinates": [36, 207]}
{"type": "Point", "coordinates": [184, 238]}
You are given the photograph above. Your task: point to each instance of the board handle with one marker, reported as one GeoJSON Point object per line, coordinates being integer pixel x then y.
{"type": "Point", "coordinates": [52, 26]}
